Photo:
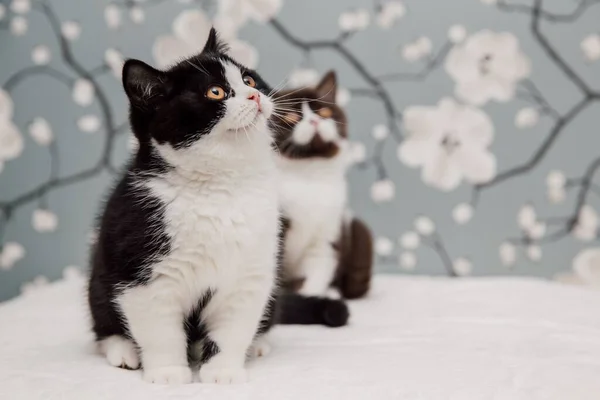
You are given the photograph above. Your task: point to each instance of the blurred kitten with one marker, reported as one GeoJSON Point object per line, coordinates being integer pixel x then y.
{"type": "Point", "coordinates": [324, 246]}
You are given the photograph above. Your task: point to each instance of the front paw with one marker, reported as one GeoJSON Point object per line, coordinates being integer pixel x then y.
{"type": "Point", "coordinates": [222, 374]}
{"type": "Point", "coordinates": [174, 375]}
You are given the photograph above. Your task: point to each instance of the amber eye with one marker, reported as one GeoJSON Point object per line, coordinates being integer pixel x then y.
{"type": "Point", "coordinates": [215, 93]}
{"type": "Point", "coordinates": [291, 117]}
{"type": "Point", "coordinates": [325, 112]}
{"type": "Point", "coordinates": [249, 81]}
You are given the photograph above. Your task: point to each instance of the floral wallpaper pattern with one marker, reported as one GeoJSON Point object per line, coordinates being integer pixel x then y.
{"type": "Point", "coordinates": [474, 124]}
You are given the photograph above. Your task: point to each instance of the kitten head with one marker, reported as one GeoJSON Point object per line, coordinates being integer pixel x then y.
{"type": "Point", "coordinates": [205, 107]}
{"type": "Point", "coordinates": [308, 123]}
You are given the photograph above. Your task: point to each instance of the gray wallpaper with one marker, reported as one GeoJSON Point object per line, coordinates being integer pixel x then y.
{"type": "Point", "coordinates": [475, 122]}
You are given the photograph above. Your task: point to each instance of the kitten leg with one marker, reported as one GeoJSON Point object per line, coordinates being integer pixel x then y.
{"type": "Point", "coordinates": [155, 320]}
{"type": "Point", "coordinates": [260, 347]}
{"type": "Point", "coordinates": [120, 352]}
{"type": "Point", "coordinates": [318, 267]}
{"type": "Point", "coordinates": [232, 328]}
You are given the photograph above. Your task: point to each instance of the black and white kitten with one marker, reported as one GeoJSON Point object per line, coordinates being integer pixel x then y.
{"type": "Point", "coordinates": [188, 240]}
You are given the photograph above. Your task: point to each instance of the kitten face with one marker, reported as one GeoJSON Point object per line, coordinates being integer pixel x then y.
{"type": "Point", "coordinates": [310, 124]}
{"type": "Point", "coordinates": [201, 108]}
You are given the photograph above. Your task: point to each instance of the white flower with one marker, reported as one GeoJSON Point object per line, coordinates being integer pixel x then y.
{"type": "Point", "coordinates": [39, 282]}
{"type": "Point", "coordinates": [11, 141]}
{"type": "Point", "coordinates": [88, 123]}
{"type": "Point", "coordinates": [390, 12]}
{"type": "Point", "coordinates": [508, 254]}
{"type": "Point", "coordinates": [457, 33]}
{"type": "Point", "coordinates": [487, 66]}
{"type": "Point", "coordinates": [586, 228]}
{"type": "Point", "coordinates": [342, 96]}
{"type": "Point", "coordinates": [380, 132]}
{"type": "Point", "coordinates": [534, 252]}
{"type": "Point", "coordinates": [244, 53]}
{"type": "Point", "coordinates": [462, 266]}
{"type": "Point", "coordinates": [10, 254]}
{"type": "Point", "coordinates": [383, 246]}
{"type": "Point", "coordinates": [6, 106]}
{"type": "Point", "coordinates": [362, 19]}
{"type": "Point", "coordinates": [44, 221]}
{"type": "Point", "coordinates": [417, 50]}
{"type": "Point", "coordinates": [526, 218]}
{"type": "Point", "coordinates": [303, 77]}
{"type": "Point", "coordinates": [20, 6]}
{"type": "Point", "coordinates": [462, 213]}
{"type": "Point", "coordinates": [83, 92]}
{"type": "Point", "coordinates": [537, 231]}
{"type": "Point", "coordinates": [18, 26]}
{"type": "Point", "coordinates": [556, 179]}
{"type": "Point", "coordinates": [72, 273]}
{"type": "Point", "coordinates": [355, 20]}
{"type": "Point", "coordinates": [424, 225]}
{"type": "Point", "coordinates": [191, 30]}
{"type": "Point", "coordinates": [410, 240]}
{"type": "Point", "coordinates": [586, 266]}
{"type": "Point", "coordinates": [527, 117]}
{"type": "Point", "coordinates": [112, 16]}
{"type": "Point", "coordinates": [383, 191]}
{"type": "Point", "coordinates": [71, 30]}
{"type": "Point", "coordinates": [2, 11]}
{"type": "Point", "coordinates": [258, 10]}
{"type": "Point", "coordinates": [40, 131]}
{"type": "Point", "coordinates": [591, 47]}
{"type": "Point", "coordinates": [358, 152]}
{"type": "Point", "coordinates": [556, 184]}
{"type": "Point", "coordinates": [407, 261]}
{"type": "Point", "coordinates": [114, 59]}
{"type": "Point", "coordinates": [450, 142]}
{"type": "Point", "coordinates": [137, 14]}
{"type": "Point", "coordinates": [40, 55]}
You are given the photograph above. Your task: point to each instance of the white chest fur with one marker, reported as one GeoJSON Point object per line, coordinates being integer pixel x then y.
{"type": "Point", "coordinates": [313, 196]}
{"type": "Point", "coordinates": [222, 229]}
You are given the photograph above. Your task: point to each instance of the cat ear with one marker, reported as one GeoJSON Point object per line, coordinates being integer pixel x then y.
{"type": "Point", "coordinates": [327, 88]}
{"type": "Point", "coordinates": [142, 83]}
{"type": "Point", "coordinates": [214, 44]}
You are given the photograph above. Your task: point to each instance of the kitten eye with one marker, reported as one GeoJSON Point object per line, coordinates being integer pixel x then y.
{"type": "Point", "coordinates": [215, 93]}
{"type": "Point", "coordinates": [249, 81]}
{"type": "Point", "coordinates": [291, 117]}
{"type": "Point", "coordinates": [325, 112]}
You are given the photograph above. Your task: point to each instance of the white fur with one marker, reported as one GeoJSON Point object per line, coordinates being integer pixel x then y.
{"type": "Point", "coordinates": [221, 214]}
{"type": "Point", "coordinates": [120, 352]}
{"type": "Point", "coordinates": [304, 130]}
{"type": "Point", "coordinates": [313, 195]}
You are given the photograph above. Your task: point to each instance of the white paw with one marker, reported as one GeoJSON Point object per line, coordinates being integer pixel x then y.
{"type": "Point", "coordinates": [120, 352]}
{"type": "Point", "coordinates": [259, 348]}
{"type": "Point", "coordinates": [213, 373]}
{"type": "Point", "coordinates": [175, 375]}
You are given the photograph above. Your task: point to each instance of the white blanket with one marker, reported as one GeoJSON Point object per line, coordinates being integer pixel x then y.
{"type": "Point", "coordinates": [413, 338]}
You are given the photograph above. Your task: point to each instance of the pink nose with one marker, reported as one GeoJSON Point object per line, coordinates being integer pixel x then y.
{"type": "Point", "coordinates": [255, 96]}
{"type": "Point", "coordinates": [314, 122]}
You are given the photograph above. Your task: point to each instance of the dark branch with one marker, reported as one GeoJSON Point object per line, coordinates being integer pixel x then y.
{"type": "Point", "coordinates": [36, 70]}
{"type": "Point", "coordinates": [546, 15]}
{"type": "Point", "coordinates": [552, 53]}
{"type": "Point", "coordinates": [421, 75]}
{"type": "Point", "coordinates": [561, 123]}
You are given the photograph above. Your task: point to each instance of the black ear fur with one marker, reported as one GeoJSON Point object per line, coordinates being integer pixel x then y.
{"type": "Point", "coordinates": [214, 44]}
{"type": "Point", "coordinates": [142, 83]}
{"type": "Point", "coordinates": [327, 88]}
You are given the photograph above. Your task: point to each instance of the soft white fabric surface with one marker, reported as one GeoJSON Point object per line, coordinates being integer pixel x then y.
{"type": "Point", "coordinates": [413, 338]}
